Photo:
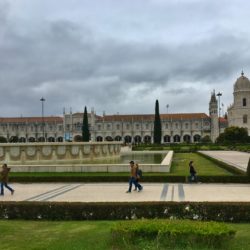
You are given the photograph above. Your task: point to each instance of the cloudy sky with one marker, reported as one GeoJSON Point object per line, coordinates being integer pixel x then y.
{"type": "Point", "coordinates": [120, 56]}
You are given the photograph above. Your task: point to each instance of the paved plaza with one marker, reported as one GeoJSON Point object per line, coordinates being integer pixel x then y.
{"type": "Point", "coordinates": [234, 158]}
{"type": "Point", "coordinates": [116, 192]}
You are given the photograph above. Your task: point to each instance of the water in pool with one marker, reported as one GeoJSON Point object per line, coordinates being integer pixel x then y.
{"type": "Point", "coordinates": [145, 158]}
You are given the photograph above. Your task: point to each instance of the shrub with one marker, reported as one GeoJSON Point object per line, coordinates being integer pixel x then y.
{"type": "Point", "coordinates": [205, 211]}
{"type": "Point", "coordinates": [248, 169]}
{"type": "Point", "coordinates": [172, 233]}
{"type": "Point", "coordinates": [160, 178]}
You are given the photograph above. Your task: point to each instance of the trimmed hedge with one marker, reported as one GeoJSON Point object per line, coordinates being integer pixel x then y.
{"type": "Point", "coordinates": [153, 178]}
{"type": "Point", "coordinates": [169, 233]}
{"type": "Point", "coordinates": [205, 211]}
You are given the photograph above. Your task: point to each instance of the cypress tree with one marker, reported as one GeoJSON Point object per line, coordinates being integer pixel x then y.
{"type": "Point", "coordinates": [85, 126]}
{"type": "Point", "coordinates": [157, 124]}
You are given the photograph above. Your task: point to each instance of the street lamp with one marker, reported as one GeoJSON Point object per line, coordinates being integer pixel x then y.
{"type": "Point", "coordinates": [43, 100]}
{"type": "Point", "coordinates": [219, 95]}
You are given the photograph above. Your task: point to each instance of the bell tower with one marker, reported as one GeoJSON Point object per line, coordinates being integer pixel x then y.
{"type": "Point", "coordinates": [213, 112]}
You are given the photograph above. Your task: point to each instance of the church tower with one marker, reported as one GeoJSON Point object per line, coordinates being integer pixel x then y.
{"type": "Point", "coordinates": [239, 111]}
{"type": "Point", "coordinates": [213, 112]}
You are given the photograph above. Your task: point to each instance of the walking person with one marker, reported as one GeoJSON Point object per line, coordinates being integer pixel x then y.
{"type": "Point", "coordinates": [132, 179]}
{"type": "Point", "coordinates": [138, 174]}
{"type": "Point", "coordinates": [4, 179]}
{"type": "Point", "coordinates": [192, 172]}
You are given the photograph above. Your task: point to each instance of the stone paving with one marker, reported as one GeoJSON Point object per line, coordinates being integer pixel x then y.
{"type": "Point", "coordinates": [116, 192]}
{"type": "Point", "coordinates": [234, 158]}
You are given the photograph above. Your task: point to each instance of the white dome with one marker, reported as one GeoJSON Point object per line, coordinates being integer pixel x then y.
{"type": "Point", "coordinates": [242, 83]}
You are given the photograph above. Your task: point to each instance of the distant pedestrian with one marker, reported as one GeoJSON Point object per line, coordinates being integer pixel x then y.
{"type": "Point", "coordinates": [192, 177]}
{"type": "Point", "coordinates": [138, 174]}
{"type": "Point", "coordinates": [4, 179]}
{"type": "Point", "coordinates": [132, 179]}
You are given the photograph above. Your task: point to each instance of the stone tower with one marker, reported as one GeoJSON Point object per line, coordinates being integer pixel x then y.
{"type": "Point", "coordinates": [213, 112]}
{"type": "Point", "coordinates": [239, 111]}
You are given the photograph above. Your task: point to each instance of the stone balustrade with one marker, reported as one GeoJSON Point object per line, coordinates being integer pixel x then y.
{"type": "Point", "coordinates": [49, 153]}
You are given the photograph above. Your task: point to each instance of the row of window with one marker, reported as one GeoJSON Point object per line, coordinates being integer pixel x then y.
{"type": "Point", "coordinates": [148, 139]}
{"type": "Point", "coordinates": [31, 128]}
{"type": "Point", "coordinates": [31, 139]}
{"type": "Point", "coordinates": [150, 126]}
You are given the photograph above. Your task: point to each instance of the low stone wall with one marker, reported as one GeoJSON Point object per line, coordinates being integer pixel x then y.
{"type": "Point", "coordinates": [56, 153]}
{"type": "Point", "coordinates": [104, 168]}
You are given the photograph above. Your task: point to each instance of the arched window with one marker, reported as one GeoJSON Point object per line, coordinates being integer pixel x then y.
{"type": "Point", "coordinates": [186, 138]}
{"type": "Point", "coordinates": [60, 139]}
{"type": "Point", "coordinates": [137, 139]}
{"type": "Point", "coordinates": [118, 138]}
{"type": "Point", "coordinates": [32, 139]}
{"type": "Point", "coordinates": [99, 138]}
{"type": "Point", "coordinates": [109, 138]}
{"type": "Point", "coordinates": [127, 139]}
{"type": "Point", "coordinates": [177, 138]}
{"type": "Point", "coordinates": [147, 139]}
{"type": "Point", "coordinates": [197, 138]}
{"type": "Point", "coordinates": [22, 139]}
{"type": "Point", "coordinates": [167, 138]}
{"type": "Point", "coordinates": [244, 118]}
{"type": "Point", "coordinates": [244, 102]}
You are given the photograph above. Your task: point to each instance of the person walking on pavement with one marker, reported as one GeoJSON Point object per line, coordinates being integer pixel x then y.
{"type": "Point", "coordinates": [138, 174]}
{"type": "Point", "coordinates": [132, 179]}
{"type": "Point", "coordinates": [192, 172]}
{"type": "Point", "coordinates": [4, 179]}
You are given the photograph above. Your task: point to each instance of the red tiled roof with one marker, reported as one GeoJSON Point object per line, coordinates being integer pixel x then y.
{"type": "Point", "coordinates": [150, 117]}
{"type": "Point", "coordinates": [46, 119]}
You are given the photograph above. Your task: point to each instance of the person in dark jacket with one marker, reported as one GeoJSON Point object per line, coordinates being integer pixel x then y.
{"type": "Point", "coordinates": [4, 179]}
{"type": "Point", "coordinates": [192, 177]}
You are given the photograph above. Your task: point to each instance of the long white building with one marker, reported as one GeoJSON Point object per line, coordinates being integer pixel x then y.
{"type": "Point", "coordinates": [133, 128]}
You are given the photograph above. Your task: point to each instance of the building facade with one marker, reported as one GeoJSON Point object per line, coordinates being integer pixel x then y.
{"type": "Point", "coordinates": [176, 128]}
{"type": "Point", "coordinates": [31, 129]}
{"type": "Point", "coordinates": [239, 111]}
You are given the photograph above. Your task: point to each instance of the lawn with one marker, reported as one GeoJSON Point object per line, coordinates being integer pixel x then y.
{"type": "Point", "coordinates": [202, 165]}
{"type": "Point", "coordinates": [77, 235]}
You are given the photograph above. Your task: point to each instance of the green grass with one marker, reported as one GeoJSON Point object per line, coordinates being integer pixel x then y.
{"type": "Point", "coordinates": [77, 235]}
{"type": "Point", "coordinates": [202, 165]}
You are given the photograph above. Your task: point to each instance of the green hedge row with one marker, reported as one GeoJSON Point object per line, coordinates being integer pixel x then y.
{"type": "Point", "coordinates": [217, 211]}
{"type": "Point", "coordinates": [169, 233]}
{"type": "Point", "coordinates": [153, 178]}
{"type": "Point", "coordinates": [222, 164]}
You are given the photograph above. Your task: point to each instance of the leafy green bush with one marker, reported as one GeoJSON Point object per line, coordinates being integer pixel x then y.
{"type": "Point", "coordinates": [202, 211]}
{"type": "Point", "coordinates": [169, 233]}
{"type": "Point", "coordinates": [155, 177]}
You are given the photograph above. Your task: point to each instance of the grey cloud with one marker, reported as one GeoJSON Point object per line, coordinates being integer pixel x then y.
{"type": "Point", "coordinates": [71, 65]}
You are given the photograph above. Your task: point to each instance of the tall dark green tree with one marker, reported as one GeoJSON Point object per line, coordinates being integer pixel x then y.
{"type": "Point", "coordinates": [157, 124]}
{"type": "Point", "coordinates": [85, 126]}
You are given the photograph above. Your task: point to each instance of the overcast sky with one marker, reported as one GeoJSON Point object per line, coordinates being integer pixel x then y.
{"type": "Point", "coordinates": [120, 56]}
